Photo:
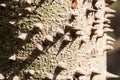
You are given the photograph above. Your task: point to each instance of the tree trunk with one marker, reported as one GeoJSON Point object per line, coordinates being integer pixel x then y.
{"type": "Point", "coordinates": [55, 39]}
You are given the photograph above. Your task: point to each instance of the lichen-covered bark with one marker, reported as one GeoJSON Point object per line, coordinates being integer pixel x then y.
{"type": "Point", "coordinates": [54, 40]}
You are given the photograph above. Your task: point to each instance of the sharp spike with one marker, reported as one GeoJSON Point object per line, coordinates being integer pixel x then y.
{"type": "Point", "coordinates": [79, 72]}
{"type": "Point", "coordinates": [28, 9]}
{"type": "Point", "coordinates": [94, 72]}
{"type": "Point", "coordinates": [12, 23]}
{"type": "Point", "coordinates": [110, 42]}
{"type": "Point", "coordinates": [2, 77]}
{"type": "Point", "coordinates": [109, 10]}
{"type": "Point", "coordinates": [108, 30]}
{"type": "Point", "coordinates": [38, 26]}
{"type": "Point", "coordinates": [39, 47]}
{"type": "Point", "coordinates": [60, 32]}
{"type": "Point", "coordinates": [109, 47]}
{"type": "Point", "coordinates": [110, 75]}
{"type": "Point", "coordinates": [67, 38]}
{"type": "Point", "coordinates": [22, 36]}
{"type": "Point", "coordinates": [109, 15]}
{"type": "Point", "coordinates": [16, 77]}
{"type": "Point", "coordinates": [61, 66]}
{"type": "Point", "coordinates": [106, 25]}
{"type": "Point", "coordinates": [13, 57]}
{"type": "Point", "coordinates": [110, 38]}
{"type": "Point", "coordinates": [3, 5]}
{"type": "Point", "coordinates": [48, 40]}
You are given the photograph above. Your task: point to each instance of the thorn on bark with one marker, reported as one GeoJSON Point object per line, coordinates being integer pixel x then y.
{"type": "Point", "coordinates": [48, 40]}
{"type": "Point", "coordinates": [109, 10]}
{"type": "Point", "coordinates": [110, 75]}
{"type": "Point", "coordinates": [22, 36]}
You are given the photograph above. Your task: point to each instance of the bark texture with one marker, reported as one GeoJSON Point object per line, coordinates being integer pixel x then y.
{"type": "Point", "coordinates": [55, 39]}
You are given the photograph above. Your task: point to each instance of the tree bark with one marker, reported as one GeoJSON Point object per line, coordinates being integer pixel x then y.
{"type": "Point", "coordinates": [55, 40]}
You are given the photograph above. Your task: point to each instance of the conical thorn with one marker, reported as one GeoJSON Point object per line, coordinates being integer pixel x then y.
{"type": "Point", "coordinates": [110, 38]}
{"type": "Point", "coordinates": [22, 36]}
{"type": "Point", "coordinates": [61, 66]}
{"type": "Point", "coordinates": [109, 47]}
{"type": "Point", "coordinates": [79, 72]}
{"type": "Point", "coordinates": [13, 57]}
{"type": "Point", "coordinates": [48, 40]}
{"type": "Point", "coordinates": [28, 9]}
{"type": "Point", "coordinates": [39, 47]}
{"type": "Point", "coordinates": [109, 15]}
{"type": "Point", "coordinates": [94, 72]}
{"type": "Point", "coordinates": [110, 42]}
{"type": "Point", "coordinates": [38, 26]}
{"type": "Point", "coordinates": [3, 5]}
{"type": "Point", "coordinates": [109, 10]}
{"type": "Point", "coordinates": [110, 75]}
{"type": "Point", "coordinates": [106, 25]}
{"type": "Point", "coordinates": [60, 32]}
{"type": "Point", "coordinates": [2, 77]}
{"type": "Point", "coordinates": [67, 38]}
{"type": "Point", "coordinates": [108, 30]}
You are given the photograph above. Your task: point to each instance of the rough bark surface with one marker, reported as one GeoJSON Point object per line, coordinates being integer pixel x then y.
{"type": "Point", "coordinates": [54, 39]}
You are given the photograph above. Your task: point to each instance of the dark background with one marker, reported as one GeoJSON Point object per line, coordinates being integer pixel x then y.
{"type": "Point", "coordinates": [114, 56]}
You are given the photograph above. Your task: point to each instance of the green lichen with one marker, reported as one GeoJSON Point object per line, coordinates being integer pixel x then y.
{"type": "Point", "coordinates": [43, 61]}
{"type": "Point", "coordinates": [36, 68]}
{"type": "Point", "coordinates": [27, 46]}
{"type": "Point", "coordinates": [36, 76]}
{"type": "Point", "coordinates": [48, 63]}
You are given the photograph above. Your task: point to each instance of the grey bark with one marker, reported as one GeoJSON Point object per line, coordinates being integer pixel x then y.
{"type": "Point", "coordinates": [55, 40]}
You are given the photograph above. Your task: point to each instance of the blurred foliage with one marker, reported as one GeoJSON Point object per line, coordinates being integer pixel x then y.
{"type": "Point", "coordinates": [116, 5]}
{"type": "Point", "coordinates": [114, 67]}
